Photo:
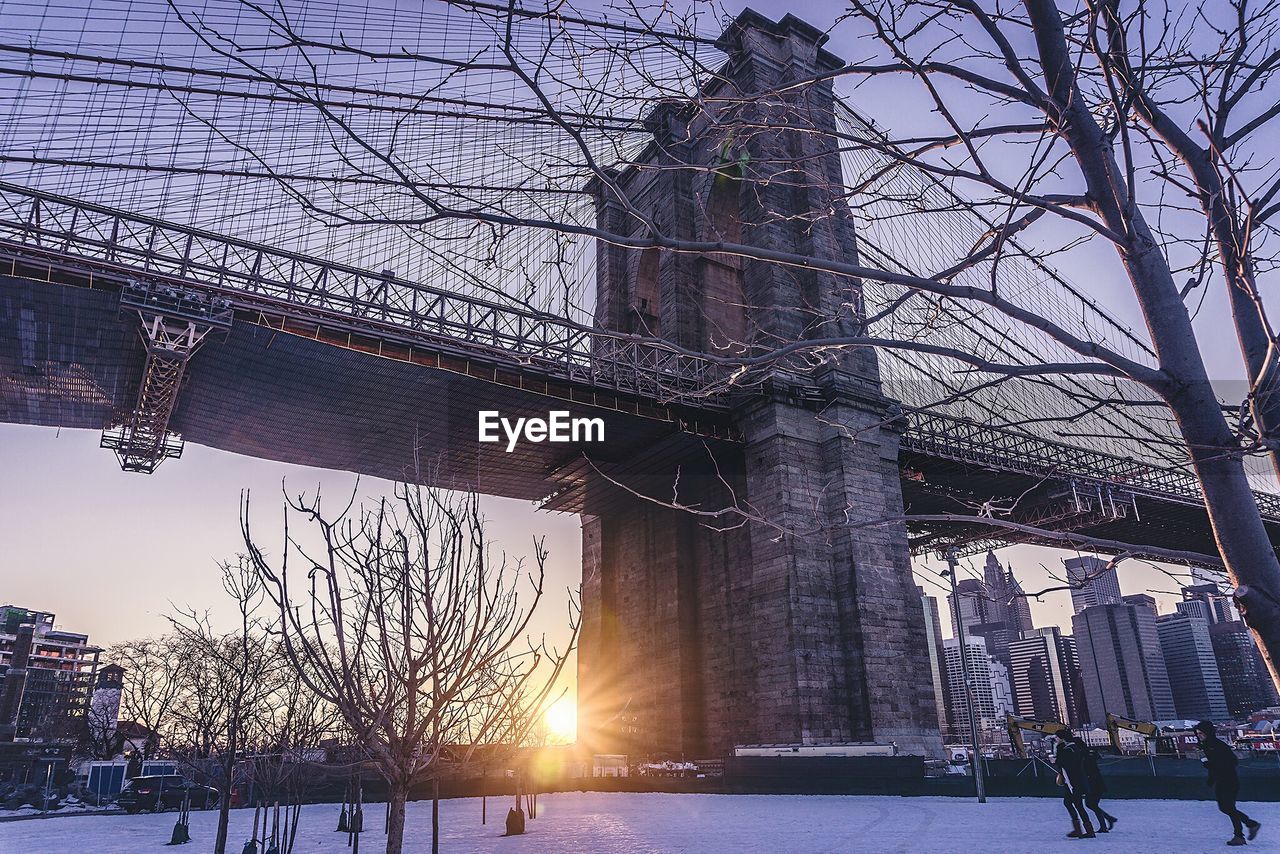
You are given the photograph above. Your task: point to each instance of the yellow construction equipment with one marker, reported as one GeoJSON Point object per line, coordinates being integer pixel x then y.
{"type": "Point", "coordinates": [1149, 731]}
{"type": "Point", "coordinates": [1017, 725]}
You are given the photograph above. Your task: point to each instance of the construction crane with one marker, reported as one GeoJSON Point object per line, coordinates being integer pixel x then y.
{"type": "Point", "coordinates": [1016, 725]}
{"type": "Point", "coordinates": [1149, 731]}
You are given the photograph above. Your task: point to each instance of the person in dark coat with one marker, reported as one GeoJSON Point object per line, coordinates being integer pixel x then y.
{"type": "Point", "coordinates": [1068, 758]}
{"type": "Point", "coordinates": [1220, 761]}
{"type": "Point", "coordinates": [1097, 787]}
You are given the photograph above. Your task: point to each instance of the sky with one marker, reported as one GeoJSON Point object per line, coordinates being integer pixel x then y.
{"type": "Point", "coordinates": [111, 553]}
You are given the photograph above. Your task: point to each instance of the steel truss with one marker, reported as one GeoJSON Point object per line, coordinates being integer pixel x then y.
{"type": "Point", "coordinates": [1110, 480]}
{"type": "Point", "coordinates": [174, 323]}
{"type": "Point", "coordinates": [1078, 504]}
{"type": "Point", "coordinates": [1073, 505]}
{"type": "Point", "coordinates": [247, 273]}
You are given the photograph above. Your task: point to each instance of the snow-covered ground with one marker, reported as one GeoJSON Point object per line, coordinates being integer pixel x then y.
{"type": "Point", "coordinates": [598, 823]}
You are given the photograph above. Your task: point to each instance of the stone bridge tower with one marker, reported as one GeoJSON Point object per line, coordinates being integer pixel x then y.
{"type": "Point", "coordinates": [694, 639]}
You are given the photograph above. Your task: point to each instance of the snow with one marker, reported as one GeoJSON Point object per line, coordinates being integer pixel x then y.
{"type": "Point", "coordinates": [603, 823]}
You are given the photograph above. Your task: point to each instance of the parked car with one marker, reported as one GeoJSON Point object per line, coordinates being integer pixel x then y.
{"type": "Point", "coordinates": [160, 792]}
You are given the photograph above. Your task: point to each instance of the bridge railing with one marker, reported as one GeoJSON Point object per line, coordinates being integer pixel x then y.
{"type": "Point", "coordinates": [73, 230]}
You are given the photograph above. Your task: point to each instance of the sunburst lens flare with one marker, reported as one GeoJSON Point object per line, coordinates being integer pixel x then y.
{"type": "Point", "coordinates": [562, 720]}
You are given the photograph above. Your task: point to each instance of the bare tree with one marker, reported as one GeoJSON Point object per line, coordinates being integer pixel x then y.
{"type": "Point", "coordinates": [101, 737]}
{"type": "Point", "coordinates": [228, 679]}
{"type": "Point", "coordinates": [284, 761]}
{"type": "Point", "coordinates": [1085, 108]}
{"type": "Point", "coordinates": [153, 682]}
{"type": "Point", "coordinates": [407, 621]}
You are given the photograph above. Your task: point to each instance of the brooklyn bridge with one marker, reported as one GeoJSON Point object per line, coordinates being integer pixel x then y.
{"type": "Point", "coordinates": [177, 264]}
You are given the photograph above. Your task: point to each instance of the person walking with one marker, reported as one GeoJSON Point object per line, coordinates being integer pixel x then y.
{"type": "Point", "coordinates": [1068, 758]}
{"type": "Point", "coordinates": [1220, 761]}
{"type": "Point", "coordinates": [1097, 786]}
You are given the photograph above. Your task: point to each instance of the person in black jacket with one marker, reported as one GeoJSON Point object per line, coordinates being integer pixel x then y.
{"type": "Point", "coordinates": [1221, 761]}
{"type": "Point", "coordinates": [1068, 758]}
{"type": "Point", "coordinates": [1097, 786]}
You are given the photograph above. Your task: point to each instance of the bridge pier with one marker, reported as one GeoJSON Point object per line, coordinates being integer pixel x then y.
{"type": "Point", "coordinates": [838, 626]}
{"type": "Point", "coordinates": [791, 626]}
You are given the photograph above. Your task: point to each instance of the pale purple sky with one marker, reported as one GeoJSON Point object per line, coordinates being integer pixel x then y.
{"type": "Point", "coordinates": [111, 552]}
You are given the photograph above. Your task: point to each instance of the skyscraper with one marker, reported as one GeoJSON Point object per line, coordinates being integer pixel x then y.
{"type": "Point", "coordinates": [993, 609]}
{"type": "Point", "coordinates": [980, 615]}
{"type": "Point", "coordinates": [1001, 694]}
{"type": "Point", "coordinates": [1246, 682]}
{"type": "Point", "coordinates": [1204, 575]}
{"type": "Point", "coordinates": [975, 606]}
{"type": "Point", "coordinates": [933, 637]}
{"type": "Point", "coordinates": [1045, 677]}
{"type": "Point", "coordinates": [992, 697]}
{"type": "Point", "coordinates": [1197, 608]}
{"type": "Point", "coordinates": [1121, 663]}
{"type": "Point", "coordinates": [1208, 601]}
{"type": "Point", "coordinates": [1012, 606]}
{"type": "Point", "coordinates": [1192, 669]}
{"type": "Point", "coordinates": [1092, 582]}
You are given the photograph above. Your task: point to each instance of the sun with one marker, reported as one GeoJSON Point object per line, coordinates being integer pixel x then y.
{"type": "Point", "coordinates": [562, 720]}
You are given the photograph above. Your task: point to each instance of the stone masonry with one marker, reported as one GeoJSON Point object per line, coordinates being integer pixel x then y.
{"type": "Point", "coordinates": [797, 628]}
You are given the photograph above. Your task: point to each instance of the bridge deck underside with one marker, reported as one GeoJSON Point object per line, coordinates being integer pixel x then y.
{"type": "Point", "coordinates": [68, 358]}
{"type": "Point", "coordinates": [937, 487]}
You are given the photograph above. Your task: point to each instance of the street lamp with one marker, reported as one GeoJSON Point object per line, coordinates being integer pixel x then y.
{"type": "Point", "coordinates": [950, 572]}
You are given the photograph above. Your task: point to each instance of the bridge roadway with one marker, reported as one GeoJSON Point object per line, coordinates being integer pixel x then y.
{"type": "Point", "coordinates": [343, 369]}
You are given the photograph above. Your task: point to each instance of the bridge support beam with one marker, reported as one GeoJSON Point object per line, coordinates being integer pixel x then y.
{"type": "Point", "coordinates": [174, 323]}
{"type": "Point", "coordinates": [838, 627]}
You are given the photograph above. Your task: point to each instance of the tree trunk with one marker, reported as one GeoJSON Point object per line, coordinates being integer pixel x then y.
{"type": "Point", "coordinates": [1262, 363]}
{"type": "Point", "coordinates": [224, 811]}
{"type": "Point", "coordinates": [1253, 330]}
{"type": "Point", "coordinates": [398, 793]}
{"type": "Point", "coordinates": [1237, 526]}
{"type": "Point", "coordinates": [1214, 450]}
{"type": "Point", "coordinates": [1261, 360]}
{"type": "Point", "coordinates": [293, 823]}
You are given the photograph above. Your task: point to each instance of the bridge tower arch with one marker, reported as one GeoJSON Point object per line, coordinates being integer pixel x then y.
{"type": "Point", "coordinates": [695, 639]}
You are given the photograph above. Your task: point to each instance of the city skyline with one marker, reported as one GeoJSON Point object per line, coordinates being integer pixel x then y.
{"type": "Point", "coordinates": [1134, 656]}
